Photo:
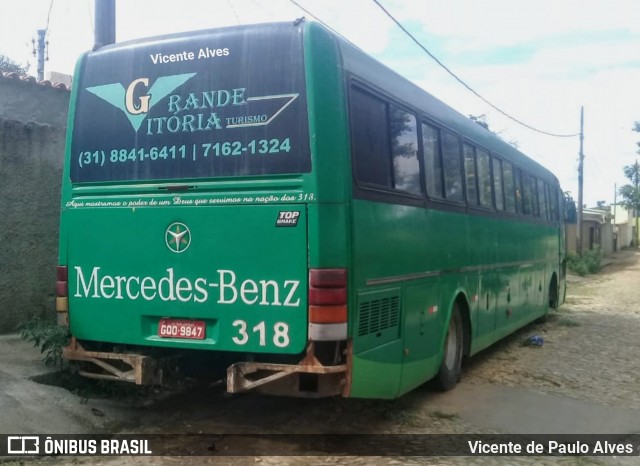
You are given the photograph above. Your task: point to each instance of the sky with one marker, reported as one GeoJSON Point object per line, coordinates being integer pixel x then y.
{"type": "Point", "coordinates": [539, 61]}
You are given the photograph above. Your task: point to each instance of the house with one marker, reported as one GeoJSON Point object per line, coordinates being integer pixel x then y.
{"type": "Point", "coordinates": [597, 231]}
{"type": "Point", "coordinates": [624, 226]}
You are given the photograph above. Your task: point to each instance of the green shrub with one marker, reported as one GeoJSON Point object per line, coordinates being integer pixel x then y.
{"type": "Point", "coordinates": [588, 263]}
{"type": "Point", "coordinates": [593, 258]}
{"type": "Point", "coordinates": [47, 336]}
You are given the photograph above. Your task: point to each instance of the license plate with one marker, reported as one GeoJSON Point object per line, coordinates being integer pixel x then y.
{"type": "Point", "coordinates": [171, 328]}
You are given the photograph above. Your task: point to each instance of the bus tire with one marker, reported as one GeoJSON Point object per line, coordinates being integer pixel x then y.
{"type": "Point", "coordinates": [451, 364]}
{"type": "Point", "coordinates": [553, 293]}
{"type": "Point", "coordinates": [553, 301]}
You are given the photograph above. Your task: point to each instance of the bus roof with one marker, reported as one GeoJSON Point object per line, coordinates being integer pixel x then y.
{"type": "Point", "coordinates": [361, 66]}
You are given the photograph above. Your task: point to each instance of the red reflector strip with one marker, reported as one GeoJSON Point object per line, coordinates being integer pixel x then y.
{"type": "Point", "coordinates": [61, 289]}
{"type": "Point", "coordinates": [62, 273]}
{"type": "Point", "coordinates": [433, 309]}
{"type": "Point", "coordinates": [327, 314]}
{"type": "Point", "coordinates": [62, 283]}
{"type": "Point", "coordinates": [328, 278]}
{"type": "Point", "coordinates": [327, 296]}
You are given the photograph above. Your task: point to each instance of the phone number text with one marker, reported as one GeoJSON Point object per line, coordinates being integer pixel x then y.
{"type": "Point", "coordinates": [191, 152]}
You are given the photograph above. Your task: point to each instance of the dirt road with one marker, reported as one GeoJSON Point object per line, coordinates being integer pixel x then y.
{"type": "Point", "coordinates": [591, 344]}
{"type": "Point", "coordinates": [585, 378]}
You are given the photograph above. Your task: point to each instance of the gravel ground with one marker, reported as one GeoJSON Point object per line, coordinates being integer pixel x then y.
{"type": "Point", "coordinates": [591, 343]}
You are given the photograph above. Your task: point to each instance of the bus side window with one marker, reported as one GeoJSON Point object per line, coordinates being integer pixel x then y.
{"type": "Point", "coordinates": [527, 206]}
{"type": "Point", "coordinates": [534, 197]}
{"type": "Point", "coordinates": [542, 197]}
{"type": "Point", "coordinates": [432, 160]}
{"type": "Point", "coordinates": [471, 178]}
{"type": "Point", "coordinates": [485, 189]}
{"type": "Point", "coordinates": [517, 175]}
{"type": "Point", "coordinates": [497, 183]}
{"type": "Point", "coordinates": [370, 139]}
{"type": "Point", "coordinates": [452, 167]}
{"type": "Point", "coordinates": [553, 204]}
{"type": "Point", "coordinates": [404, 148]}
{"type": "Point", "coordinates": [509, 188]}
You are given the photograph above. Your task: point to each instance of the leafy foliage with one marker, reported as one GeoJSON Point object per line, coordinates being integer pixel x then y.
{"type": "Point", "coordinates": [48, 337]}
{"type": "Point", "coordinates": [480, 120]}
{"type": "Point", "coordinates": [588, 263]}
{"type": "Point", "coordinates": [630, 193]}
{"type": "Point", "coordinates": [7, 65]}
{"type": "Point", "coordinates": [570, 210]}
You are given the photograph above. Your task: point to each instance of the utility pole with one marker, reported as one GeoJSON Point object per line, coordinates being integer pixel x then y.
{"type": "Point", "coordinates": [40, 50]}
{"type": "Point", "coordinates": [635, 210]}
{"type": "Point", "coordinates": [615, 226]}
{"type": "Point", "coordinates": [580, 185]}
{"type": "Point", "coordinates": [105, 23]}
{"type": "Point", "coordinates": [615, 200]}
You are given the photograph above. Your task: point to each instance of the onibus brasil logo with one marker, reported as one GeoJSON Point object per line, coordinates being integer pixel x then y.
{"type": "Point", "coordinates": [195, 111]}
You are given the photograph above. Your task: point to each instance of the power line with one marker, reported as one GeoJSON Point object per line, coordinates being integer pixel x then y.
{"type": "Point", "coordinates": [262, 8]}
{"type": "Point", "coordinates": [234, 11]}
{"type": "Point", "coordinates": [49, 15]}
{"type": "Point", "coordinates": [91, 21]}
{"type": "Point", "coordinates": [473, 91]}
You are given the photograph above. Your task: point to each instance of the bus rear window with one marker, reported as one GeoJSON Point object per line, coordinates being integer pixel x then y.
{"type": "Point", "coordinates": [223, 103]}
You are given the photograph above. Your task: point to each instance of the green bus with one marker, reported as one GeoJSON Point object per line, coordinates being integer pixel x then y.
{"type": "Point", "coordinates": [272, 195]}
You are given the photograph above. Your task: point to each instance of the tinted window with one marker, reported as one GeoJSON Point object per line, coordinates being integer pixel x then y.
{"type": "Point", "coordinates": [553, 203]}
{"type": "Point", "coordinates": [370, 139]}
{"type": "Point", "coordinates": [534, 196]}
{"type": "Point", "coordinates": [497, 183]}
{"type": "Point", "coordinates": [452, 167]}
{"type": "Point", "coordinates": [542, 198]}
{"type": "Point", "coordinates": [432, 160]}
{"type": "Point", "coordinates": [469, 154]}
{"type": "Point", "coordinates": [509, 188]}
{"type": "Point", "coordinates": [517, 175]}
{"type": "Point", "coordinates": [527, 195]}
{"type": "Point", "coordinates": [231, 104]}
{"type": "Point", "coordinates": [484, 179]}
{"type": "Point", "coordinates": [404, 149]}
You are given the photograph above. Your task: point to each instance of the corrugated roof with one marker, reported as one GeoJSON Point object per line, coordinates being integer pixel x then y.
{"type": "Point", "coordinates": [31, 79]}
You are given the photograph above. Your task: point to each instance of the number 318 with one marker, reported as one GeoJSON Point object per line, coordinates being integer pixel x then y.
{"type": "Point", "coordinates": [280, 333]}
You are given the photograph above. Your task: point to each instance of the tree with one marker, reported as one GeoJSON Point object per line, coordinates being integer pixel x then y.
{"type": "Point", "coordinates": [630, 193]}
{"type": "Point", "coordinates": [480, 120]}
{"type": "Point", "coordinates": [570, 211]}
{"type": "Point", "coordinates": [7, 65]}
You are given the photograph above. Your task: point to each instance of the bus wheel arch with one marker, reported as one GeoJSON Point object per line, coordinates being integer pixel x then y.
{"type": "Point", "coordinates": [456, 345]}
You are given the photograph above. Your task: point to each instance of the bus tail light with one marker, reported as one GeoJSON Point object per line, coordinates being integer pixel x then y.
{"type": "Point", "coordinates": [327, 304]}
{"type": "Point", "coordinates": [62, 295]}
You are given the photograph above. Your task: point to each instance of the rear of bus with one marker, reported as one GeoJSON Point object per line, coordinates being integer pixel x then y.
{"type": "Point", "coordinates": [192, 216]}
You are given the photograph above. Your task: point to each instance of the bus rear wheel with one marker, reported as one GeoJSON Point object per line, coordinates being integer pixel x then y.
{"type": "Point", "coordinates": [553, 293]}
{"type": "Point", "coordinates": [451, 365]}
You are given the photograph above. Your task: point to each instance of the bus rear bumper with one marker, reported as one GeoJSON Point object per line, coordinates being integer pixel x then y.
{"type": "Point", "coordinates": [307, 381]}
{"type": "Point", "coordinates": [136, 368]}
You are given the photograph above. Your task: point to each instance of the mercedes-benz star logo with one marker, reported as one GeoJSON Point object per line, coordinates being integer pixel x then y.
{"type": "Point", "coordinates": [177, 237]}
